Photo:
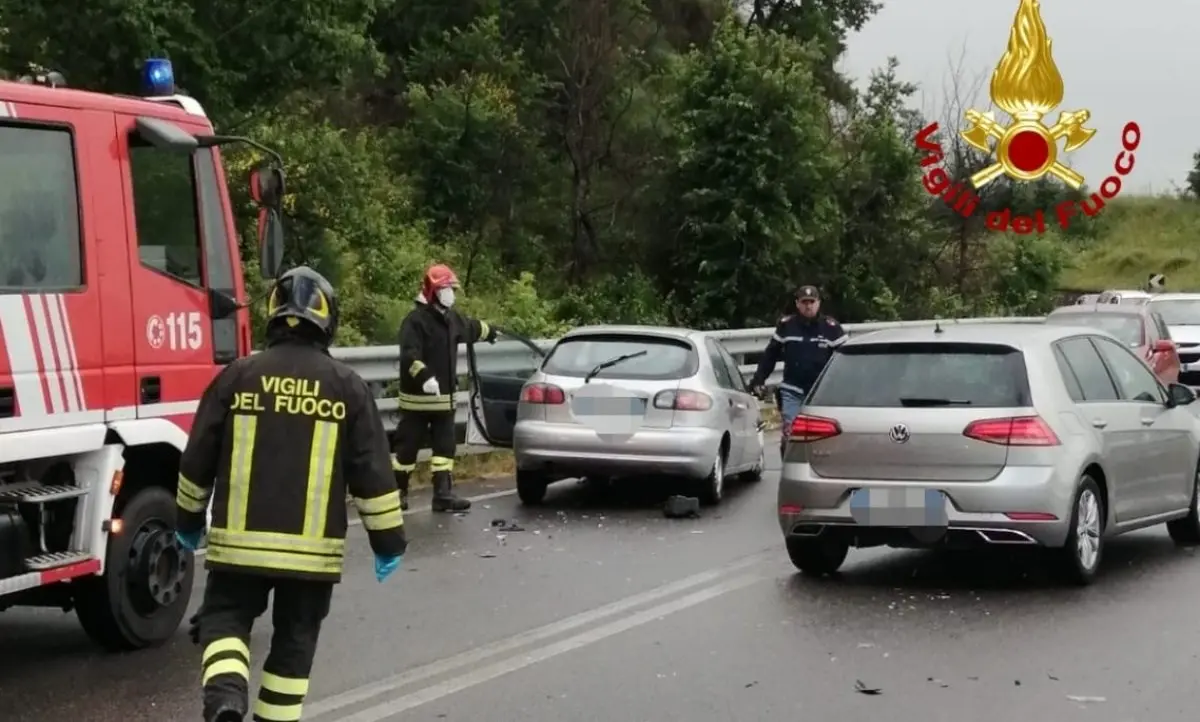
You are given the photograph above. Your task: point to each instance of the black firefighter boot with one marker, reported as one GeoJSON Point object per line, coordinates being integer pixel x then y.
{"type": "Point", "coordinates": [443, 497]}
{"type": "Point", "coordinates": [224, 710]}
{"type": "Point", "coordinates": [401, 474]}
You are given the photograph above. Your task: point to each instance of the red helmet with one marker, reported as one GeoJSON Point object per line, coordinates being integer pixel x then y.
{"type": "Point", "coordinates": [438, 276]}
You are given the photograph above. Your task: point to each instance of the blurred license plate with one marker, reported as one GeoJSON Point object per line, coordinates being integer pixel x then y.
{"type": "Point", "coordinates": [898, 507]}
{"type": "Point", "coordinates": [608, 405]}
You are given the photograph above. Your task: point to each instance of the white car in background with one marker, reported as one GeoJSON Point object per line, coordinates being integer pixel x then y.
{"type": "Point", "coordinates": [1124, 296]}
{"type": "Point", "coordinates": [1181, 313]}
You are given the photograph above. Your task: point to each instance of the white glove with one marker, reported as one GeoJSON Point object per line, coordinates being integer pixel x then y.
{"type": "Point", "coordinates": [431, 387]}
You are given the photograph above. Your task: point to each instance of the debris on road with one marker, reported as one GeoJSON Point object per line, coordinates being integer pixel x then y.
{"type": "Point", "coordinates": [682, 507]}
{"type": "Point", "coordinates": [487, 555]}
{"type": "Point", "coordinates": [1077, 698]}
{"type": "Point", "coordinates": [938, 682]}
{"type": "Point", "coordinates": [862, 688]}
{"type": "Point", "coordinates": [504, 525]}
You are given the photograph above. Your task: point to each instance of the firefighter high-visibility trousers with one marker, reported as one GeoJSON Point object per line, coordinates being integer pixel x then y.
{"type": "Point", "coordinates": [232, 602]}
{"type": "Point", "coordinates": [442, 444]}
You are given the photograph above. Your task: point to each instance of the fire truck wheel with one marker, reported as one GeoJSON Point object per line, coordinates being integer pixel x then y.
{"type": "Point", "coordinates": [147, 583]}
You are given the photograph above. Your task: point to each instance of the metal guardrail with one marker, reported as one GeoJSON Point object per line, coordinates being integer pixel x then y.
{"type": "Point", "coordinates": [380, 365]}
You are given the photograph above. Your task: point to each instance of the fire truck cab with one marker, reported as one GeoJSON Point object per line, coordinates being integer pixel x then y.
{"type": "Point", "coordinates": [121, 297]}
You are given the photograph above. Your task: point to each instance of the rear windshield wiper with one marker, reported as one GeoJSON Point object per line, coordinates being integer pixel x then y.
{"type": "Point", "coordinates": [927, 401]}
{"type": "Point", "coordinates": [610, 363]}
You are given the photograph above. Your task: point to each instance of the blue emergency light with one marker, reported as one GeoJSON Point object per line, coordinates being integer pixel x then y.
{"type": "Point", "coordinates": [158, 77]}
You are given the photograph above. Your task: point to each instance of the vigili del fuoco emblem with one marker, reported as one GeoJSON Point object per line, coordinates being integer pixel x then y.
{"type": "Point", "coordinates": [1027, 85]}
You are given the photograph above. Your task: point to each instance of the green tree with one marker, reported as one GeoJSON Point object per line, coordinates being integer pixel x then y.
{"type": "Point", "coordinates": [235, 57]}
{"type": "Point", "coordinates": [349, 217]}
{"type": "Point", "coordinates": [881, 249]}
{"type": "Point", "coordinates": [747, 193]}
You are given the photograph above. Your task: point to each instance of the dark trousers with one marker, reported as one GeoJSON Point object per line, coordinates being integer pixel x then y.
{"type": "Point", "coordinates": [232, 601]}
{"type": "Point", "coordinates": [410, 432]}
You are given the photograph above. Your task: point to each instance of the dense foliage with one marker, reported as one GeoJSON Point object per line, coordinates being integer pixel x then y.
{"type": "Point", "coordinates": [576, 160]}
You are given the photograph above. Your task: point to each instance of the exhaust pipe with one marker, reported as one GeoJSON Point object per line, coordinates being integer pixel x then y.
{"type": "Point", "coordinates": [1005, 536]}
{"type": "Point", "coordinates": [808, 530]}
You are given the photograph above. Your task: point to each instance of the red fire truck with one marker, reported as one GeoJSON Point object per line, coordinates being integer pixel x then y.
{"type": "Point", "coordinates": [121, 296]}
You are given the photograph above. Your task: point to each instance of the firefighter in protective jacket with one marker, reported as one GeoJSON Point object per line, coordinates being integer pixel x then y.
{"type": "Point", "coordinates": [277, 441]}
{"type": "Point", "coordinates": [429, 339]}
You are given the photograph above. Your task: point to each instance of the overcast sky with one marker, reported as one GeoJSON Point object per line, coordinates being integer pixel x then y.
{"type": "Point", "coordinates": [1121, 59]}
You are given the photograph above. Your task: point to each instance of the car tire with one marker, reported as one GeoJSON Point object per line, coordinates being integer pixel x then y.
{"type": "Point", "coordinates": [140, 601]}
{"type": "Point", "coordinates": [817, 557]}
{"type": "Point", "coordinates": [712, 487]}
{"type": "Point", "coordinates": [1083, 551]}
{"type": "Point", "coordinates": [1186, 531]}
{"type": "Point", "coordinates": [531, 487]}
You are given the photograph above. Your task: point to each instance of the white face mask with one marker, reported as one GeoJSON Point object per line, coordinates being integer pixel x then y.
{"type": "Point", "coordinates": [445, 296]}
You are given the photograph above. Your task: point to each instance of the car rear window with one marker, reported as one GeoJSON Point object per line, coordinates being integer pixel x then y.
{"type": "Point", "coordinates": [892, 375]}
{"type": "Point", "coordinates": [665, 358]}
{"type": "Point", "coordinates": [1126, 327]}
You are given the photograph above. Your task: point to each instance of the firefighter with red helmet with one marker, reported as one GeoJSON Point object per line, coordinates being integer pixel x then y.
{"type": "Point", "coordinates": [429, 339]}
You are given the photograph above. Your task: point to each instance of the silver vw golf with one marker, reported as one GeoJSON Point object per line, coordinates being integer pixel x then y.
{"type": "Point", "coordinates": [1048, 436]}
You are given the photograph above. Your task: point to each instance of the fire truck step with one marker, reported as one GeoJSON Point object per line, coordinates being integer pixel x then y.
{"type": "Point", "coordinates": [32, 492]}
{"type": "Point", "coordinates": [53, 560]}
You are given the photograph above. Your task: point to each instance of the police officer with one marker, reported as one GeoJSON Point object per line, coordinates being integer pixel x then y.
{"type": "Point", "coordinates": [429, 339]}
{"type": "Point", "coordinates": [804, 342]}
{"type": "Point", "coordinates": [278, 439]}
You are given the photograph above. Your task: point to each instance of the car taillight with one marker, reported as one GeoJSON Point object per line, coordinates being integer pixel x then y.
{"type": "Point", "coordinates": [1013, 431]}
{"type": "Point", "coordinates": [543, 394]}
{"type": "Point", "coordinates": [812, 428]}
{"type": "Point", "coordinates": [683, 400]}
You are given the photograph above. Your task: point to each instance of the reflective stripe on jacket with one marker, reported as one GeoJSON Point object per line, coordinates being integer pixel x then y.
{"type": "Point", "coordinates": [429, 339]}
{"type": "Point", "coordinates": [277, 441]}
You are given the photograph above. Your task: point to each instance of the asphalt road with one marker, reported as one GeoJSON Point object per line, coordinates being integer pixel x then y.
{"type": "Point", "coordinates": [601, 609]}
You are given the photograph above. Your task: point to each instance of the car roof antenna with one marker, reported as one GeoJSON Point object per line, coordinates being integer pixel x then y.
{"type": "Point", "coordinates": [937, 327]}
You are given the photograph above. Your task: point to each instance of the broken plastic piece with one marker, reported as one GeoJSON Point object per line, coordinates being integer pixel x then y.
{"type": "Point", "coordinates": [681, 507]}
{"type": "Point", "coordinates": [862, 688]}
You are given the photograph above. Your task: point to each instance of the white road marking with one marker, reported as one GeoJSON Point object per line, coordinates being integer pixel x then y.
{"type": "Point", "coordinates": [412, 512]}
{"type": "Point", "coordinates": [479, 654]}
{"type": "Point", "coordinates": [476, 677]}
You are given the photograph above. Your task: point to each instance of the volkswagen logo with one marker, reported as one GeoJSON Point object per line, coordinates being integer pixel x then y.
{"type": "Point", "coordinates": [899, 433]}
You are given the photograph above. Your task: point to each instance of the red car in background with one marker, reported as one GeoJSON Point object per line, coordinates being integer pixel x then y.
{"type": "Point", "coordinates": [1136, 325]}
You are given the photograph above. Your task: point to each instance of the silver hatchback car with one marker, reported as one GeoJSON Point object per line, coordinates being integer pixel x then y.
{"type": "Point", "coordinates": [624, 400]}
{"type": "Point", "coordinates": [1018, 434]}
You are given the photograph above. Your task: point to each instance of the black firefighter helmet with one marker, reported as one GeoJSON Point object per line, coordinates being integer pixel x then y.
{"type": "Point", "coordinates": [303, 295]}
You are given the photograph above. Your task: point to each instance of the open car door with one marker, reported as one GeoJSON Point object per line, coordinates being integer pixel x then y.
{"type": "Point", "coordinates": [497, 374]}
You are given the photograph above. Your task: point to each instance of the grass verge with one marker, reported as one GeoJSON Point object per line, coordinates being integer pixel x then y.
{"type": "Point", "coordinates": [1139, 236]}
{"type": "Point", "coordinates": [483, 465]}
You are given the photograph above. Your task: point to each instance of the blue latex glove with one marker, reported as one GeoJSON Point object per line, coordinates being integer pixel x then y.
{"type": "Point", "coordinates": [384, 566]}
{"type": "Point", "coordinates": [189, 541]}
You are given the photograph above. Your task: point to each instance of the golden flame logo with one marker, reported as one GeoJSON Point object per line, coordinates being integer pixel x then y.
{"type": "Point", "coordinates": [1027, 85]}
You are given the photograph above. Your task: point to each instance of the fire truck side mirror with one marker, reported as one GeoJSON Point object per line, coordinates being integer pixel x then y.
{"type": "Point", "coordinates": [165, 135]}
{"type": "Point", "coordinates": [270, 242]}
{"type": "Point", "coordinates": [266, 186]}
{"type": "Point", "coordinates": [267, 189]}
